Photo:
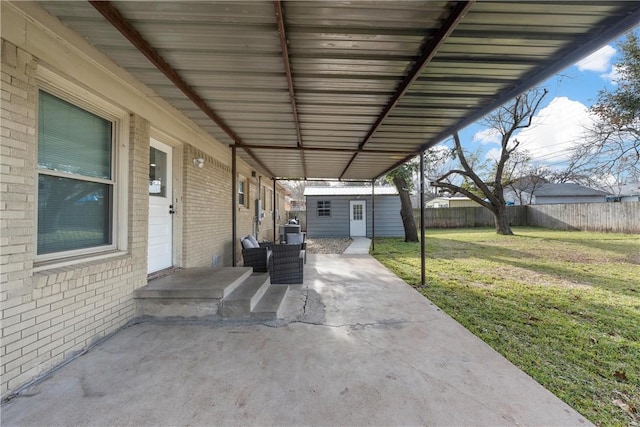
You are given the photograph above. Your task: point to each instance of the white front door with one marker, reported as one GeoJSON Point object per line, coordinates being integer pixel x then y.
{"type": "Point", "coordinates": [357, 218]}
{"type": "Point", "coordinates": [160, 254]}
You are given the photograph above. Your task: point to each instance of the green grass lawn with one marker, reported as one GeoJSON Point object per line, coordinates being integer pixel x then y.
{"type": "Point", "coordinates": [562, 306]}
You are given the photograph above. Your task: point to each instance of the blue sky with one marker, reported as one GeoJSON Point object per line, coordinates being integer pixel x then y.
{"type": "Point", "coordinates": [560, 121]}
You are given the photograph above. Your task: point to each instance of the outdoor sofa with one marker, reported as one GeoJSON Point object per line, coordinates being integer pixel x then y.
{"type": "Point", "coordinates": [256, 254]}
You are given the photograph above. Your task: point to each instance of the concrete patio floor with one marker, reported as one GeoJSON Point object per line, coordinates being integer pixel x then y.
{"type": "Point", "coordinates": [358, 347]}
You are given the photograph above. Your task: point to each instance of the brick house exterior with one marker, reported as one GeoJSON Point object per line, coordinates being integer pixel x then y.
{"type": "Point", "coordinates": [53, 309]}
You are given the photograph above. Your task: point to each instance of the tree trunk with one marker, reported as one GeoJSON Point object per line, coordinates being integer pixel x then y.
{"type": "Point", "coordinates": [406, 211]}
{"type": "Point", "coordinates": [502, 221]}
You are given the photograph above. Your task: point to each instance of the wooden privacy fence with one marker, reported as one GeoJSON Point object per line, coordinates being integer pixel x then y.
{"type": "Point", "coordinates": [468, 217]}
{"type": "Point", "coordinates": [609, 217]}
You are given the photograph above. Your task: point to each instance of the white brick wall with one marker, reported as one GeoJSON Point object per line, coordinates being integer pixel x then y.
{"type": "Point", "coordinates": [207, 210]}
{"type": "Point", "coordinates": [246, 216]}
{"type": "Point", "coordinates": [48, 316]}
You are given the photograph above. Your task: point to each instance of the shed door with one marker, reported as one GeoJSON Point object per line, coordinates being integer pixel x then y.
{"type": "Point", "coordinates": [357, 218]}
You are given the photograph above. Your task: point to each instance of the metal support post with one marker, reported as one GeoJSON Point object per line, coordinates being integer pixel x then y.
{"type": "Point", "coordinates": [373, 215]}
{"type": "Point", "coordinates": [274, 210]}
{"type": "Point", "coordinates": [234, 206]}
{"type": "Point", "coordinates": [422, 243]}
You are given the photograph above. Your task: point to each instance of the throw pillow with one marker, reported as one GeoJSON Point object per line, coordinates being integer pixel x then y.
{"type": "Point", "coordinates": [253, 241]}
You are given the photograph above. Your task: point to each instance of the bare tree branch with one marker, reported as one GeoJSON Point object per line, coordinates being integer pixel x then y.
{"type": "Point", "coordinates": [487, 187]}
{"type": "Point", "coordinates": [612, 147]}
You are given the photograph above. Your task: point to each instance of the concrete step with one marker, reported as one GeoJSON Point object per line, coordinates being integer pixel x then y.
{"type": "Point", "coordinates": [240, 303]}
{"type": "Point", "coordinates": [211, 294]}
{"type": "Point", "coordinates": [271, 304]}
{"type": "Point", "coordinates": [192, 293]}
{"type": "Point", "coordinates": [204, 283]}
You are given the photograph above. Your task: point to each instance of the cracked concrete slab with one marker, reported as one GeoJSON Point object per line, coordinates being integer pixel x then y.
{"type": "Point", "coordinates": [356, 346]}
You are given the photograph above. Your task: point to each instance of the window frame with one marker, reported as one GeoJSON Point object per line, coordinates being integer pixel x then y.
{"type": "Point", "coordinates": [326, 207]}
{"type": "Point", "coordinates": [59, 87]}
{"type": "Point", "coordinates": [357, 212]}
{"type": "Point", "coordinates": [268, 199]}
{"type": "Point", "coordinates": [245, 197]}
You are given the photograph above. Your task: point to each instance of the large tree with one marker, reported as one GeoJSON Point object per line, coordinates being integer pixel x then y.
{"type": "Point", "coordinates": [436, 162]}
{"type": "Point", "coordinates": [486, 185]}
{"type": "Point", "coordinates": [402, 178]}
{"type": "Point", "coordinates": [612, 146]}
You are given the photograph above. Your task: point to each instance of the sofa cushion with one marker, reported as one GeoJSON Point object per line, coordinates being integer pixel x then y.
{"type": "Point", "coordinates": [247, 244]}
{"type": "Point", "coordinates": [253, 241]}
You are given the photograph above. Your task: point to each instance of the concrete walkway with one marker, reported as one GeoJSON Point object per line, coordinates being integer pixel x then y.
{"type": "Point", "coordinates": [359, 246]}
{"type": "Point", "coordinates": [358, 347]}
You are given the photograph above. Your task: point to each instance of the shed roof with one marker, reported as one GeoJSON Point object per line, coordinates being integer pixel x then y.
{"type": "Point", "coordinates": [341, 89]}
{"type": "Point", "coordinates": [349, 191]}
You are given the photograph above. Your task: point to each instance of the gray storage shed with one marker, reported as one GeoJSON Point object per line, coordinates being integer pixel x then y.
{"type": "Point", "coordinates": [346, 212]}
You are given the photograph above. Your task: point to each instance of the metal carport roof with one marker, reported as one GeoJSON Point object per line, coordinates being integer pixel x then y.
{"type": "Point", "coordinates": [341, 89]}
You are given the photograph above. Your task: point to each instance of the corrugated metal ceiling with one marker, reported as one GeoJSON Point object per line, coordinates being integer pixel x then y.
{"type": "Point", "coordinates": [371, 83]}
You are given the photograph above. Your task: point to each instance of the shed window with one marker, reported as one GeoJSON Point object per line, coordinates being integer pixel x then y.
{"type": "Point", "coordinates": [324, 208]}
{"type": "Point", "coordinates": [357, 212]}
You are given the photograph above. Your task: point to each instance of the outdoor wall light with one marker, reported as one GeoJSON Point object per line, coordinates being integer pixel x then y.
{"type": "Point", "coordinates": [198, 161]}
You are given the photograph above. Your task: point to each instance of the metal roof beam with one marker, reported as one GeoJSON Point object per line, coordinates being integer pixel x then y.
{"type": "Point", "coordinates": [429, 49]}
{"type": "Point", "coordinates": [113, 15]}
{"type": "Point", "coordinates": [328, 149]}
{"type": "Point", "coordinates": [287, 69]}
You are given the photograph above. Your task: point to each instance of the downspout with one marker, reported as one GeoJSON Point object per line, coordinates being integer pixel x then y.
{"type": "Point", "coordinates": [234, 207]}
{"type": "Point", "coordinates": [258, 209]}
{"type": "Point", "coordinates": [275, 210]}
{"type": "Point", "coordinates": [422, 246]}
{"type": "Point", "coordinates": [373, 215]}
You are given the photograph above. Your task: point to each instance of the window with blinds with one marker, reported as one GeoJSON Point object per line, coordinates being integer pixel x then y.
{"type": "Point", "coordinates": [75, 177]}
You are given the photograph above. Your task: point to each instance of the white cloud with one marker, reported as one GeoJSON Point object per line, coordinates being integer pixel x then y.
{"type": "Point", "coordinates": [487, 136]}
{"type": "Point", "coordinates": [555, 130]}
{"type": "Point", "coordinates": [599, 61]}
{"type": "Point", "coordinates": [613, 76]}
{"type": "Point", "coordinates": [493, 154]}
{"type": "Point", "coordinates": [441, 148]}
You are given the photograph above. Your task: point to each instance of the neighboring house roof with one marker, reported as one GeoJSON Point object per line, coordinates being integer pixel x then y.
{"type": "Point", "coordinates": [630, 189]}
{"type": "Point", "coordinates": [298, 206]}
{"type": "Point", "coordinates": [452, 198]}
{"type": "Point", "coordinates": [452, 202]}
{"type": "Point", "coordinates": [349, 191]}
{"type": "Point", "coordinates": [527, 183]}
{"type": "Point", "coordinates": [566, 190]}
